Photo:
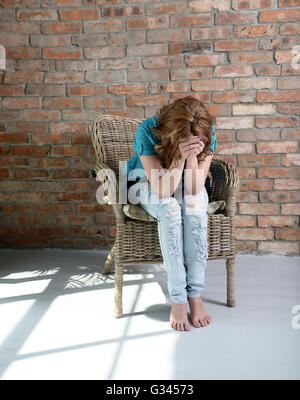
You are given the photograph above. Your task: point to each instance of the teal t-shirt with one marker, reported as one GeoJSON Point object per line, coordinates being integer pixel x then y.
{"type": "Point", "coordinates": [143, 145]}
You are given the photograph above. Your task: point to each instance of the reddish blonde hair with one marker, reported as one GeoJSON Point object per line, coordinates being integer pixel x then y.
{"type": "Point", "coordinates": [177, 121]}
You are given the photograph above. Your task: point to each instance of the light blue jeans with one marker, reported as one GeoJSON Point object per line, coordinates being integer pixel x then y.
{"type": "Point", "coordinates": [182, 229]}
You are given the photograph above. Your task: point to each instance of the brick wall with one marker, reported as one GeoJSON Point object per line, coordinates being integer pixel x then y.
{"type": "Point", "coordinates": [71, 60]}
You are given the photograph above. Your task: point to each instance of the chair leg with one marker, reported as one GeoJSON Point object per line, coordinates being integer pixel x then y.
{"type": "Point", "coordinates": [230, 267]}
{"type": "Point", "coordinates": [118, 289]}
{"type": "Point", "coordinates": [107, 267]}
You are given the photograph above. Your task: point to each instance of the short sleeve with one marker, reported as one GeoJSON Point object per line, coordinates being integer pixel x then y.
{"type": "Point", "coordinates": [143, 145]}
{"type": "Point", "coordinates": [213, 144]}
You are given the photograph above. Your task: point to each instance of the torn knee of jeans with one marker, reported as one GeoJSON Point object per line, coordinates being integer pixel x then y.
{"type": "Point", "coordinates": [199, 230]}
{"type": "Point", "coordinates": [173, 215]}
{"type": "Point", "coordinates": [201, 249]}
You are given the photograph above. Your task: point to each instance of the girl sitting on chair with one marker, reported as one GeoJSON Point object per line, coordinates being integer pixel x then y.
{"type": "Point", "coordinates": [177, 143]}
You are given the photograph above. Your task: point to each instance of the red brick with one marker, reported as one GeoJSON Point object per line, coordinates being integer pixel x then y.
{"type": "Point", "coordinates": [87, 90]}
{"type": "Point", "coordinates": [255, 185]}
{"type": "Point", "coordinates": [211, 33]}
{"type": "Point", "coordinates": [110, 25]}
{"type": "Point", "coordinates": [289, 108]}
{"type": "Point", "coordinates": [133, 101]}
{"type": "Point", "coordinates": [235, 122]}
{"type": "Point", "coordinates": [211, 85]}
{"type": "Point", "coordinates": [291, 159]}
{"type": "Point", "coordinates": [290, 209]}
{"type": "Point", "coordinates": [41, 115]}
{"type": "Point", "coordinates": [11, 90]}
{"type": "Point", "coordinates": [61, 53]}
{"type": "Point", "coordinates": [277, 147]}
{"type": "Point", "coordinates": [23, 77]}
{"type": "Point", "coordinates": [51, 231]}
{"type": "Point", "coordinates": [277, 173]}
{"type": "Point", "coordinates": [70, 174]}
{"type": "Point", "coordinates": [233, 70]}
{"type": "Point", "coordinates": [233, 97]}
{"type": "Point", "coordinates": [27, 127]}
{"type": "Point", "coordinates": [61, 27]}
{"type": "Point", "coordinates": [244, 220]}
{"type": "Point", "coordinates": [204, 59]}
{"type": "Point", "coordinates": [61, 102]}
{"type": "Point", "coordinates": [278, 247]}
{"type": "Point", "coordinates": [289, 83]}
{"type": "Point", "coordinates": [236, 44]}
{"type": "Point", "coordinates": [17, 103]}
{"type": "Point", "coordinates": [130, 11]}
{"type": "Point", "coordinates": [251, 57]}
{"type": "Point", "coordinates": [288, 3]}
{"type": "Point", "coordinates": [80, 13]}
{"type": "Point", "coordinates": [286, 184]}
{"type": "Point", "coordinates": [45, 90]}
{"type": "Point", "coordinates": [280, 96]}
{"type": "Point", "coordinates": [69, 196]}
{"type": "Point", "coordinates": [253, 234]}
{"type": "Point", "coordinates": [253, 4]}
{"type": "Point", "coordinates": [14, 138]}
{"type": "Point", "coordinates": [179, 21]}
{"type": "Point", "coordinates": [259, 160]}
{"type": "Point", "coordinates": [275, 221]}
{"type": "Point", "coordinates": [207, 5]}
{"type": "Point", "coordinates": [279, 15]}
{"type": "Point", "coordinates": [284, 56]}
{"type": "Point", "coordinates": [254, 31]}
{"type": "Point", "coordinates": [25, 173]}
{"type": "Point", "coordinates": [38, 15]}
{"type": "Point", "coordinates": [290, 29]}
{"type": "Point", "coordinates": [290, 134]}
{"type": "Point", "coordinates": [273, 122]}
{"type": "Point", "coordinates": [27, 150]}
{"type": "Point", "coordinates": [64, 127]}
{"type": "Point", "coordinates": [280, 197]}
{"type": "Point", "coordinates": [4, 173]}
{"type": "Point", "coordinates": [267, 70]}
{"type": "Point", "coordinates": [235, 148]}
{"type": "Point", "coordinates": [254, 209]}
{"type": "Point", "coordinates": [235, 18]}
{"type": "Point", "coordinates": [29, 197]}
{"type": "Point", "coordinates": [287, 234]}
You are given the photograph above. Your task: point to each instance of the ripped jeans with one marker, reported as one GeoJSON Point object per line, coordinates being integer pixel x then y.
{"type": "Point", "coordinates": [182, 229]}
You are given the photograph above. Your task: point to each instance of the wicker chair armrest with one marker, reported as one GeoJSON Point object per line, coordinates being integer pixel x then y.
{"type": "Point", "coordinates": [108, 180]}
{"type": "Point", "coordinates": [225, 185]}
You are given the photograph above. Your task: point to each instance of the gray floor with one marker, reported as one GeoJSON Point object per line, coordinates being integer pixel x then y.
{"type": "Point", "coordinates": [56, 321]}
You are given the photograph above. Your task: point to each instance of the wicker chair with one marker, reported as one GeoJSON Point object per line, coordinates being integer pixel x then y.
{"type": "Point", "coordinates": [137, 242]}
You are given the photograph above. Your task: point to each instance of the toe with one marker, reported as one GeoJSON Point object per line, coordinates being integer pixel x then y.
{"type": "Point", "coordinates": [201, 322]}
{"type": "Point", "coordinates": [181, 327]}
{"type": "Point", "coordinates": [187, 326]}
{"type": "Point", "coordinates": [196, 323]}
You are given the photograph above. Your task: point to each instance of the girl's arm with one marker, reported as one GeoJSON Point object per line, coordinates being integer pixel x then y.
{"type": "Point", "coordinates": [196, 173]}
{"type": "Point", "coordinates": [164, 183]}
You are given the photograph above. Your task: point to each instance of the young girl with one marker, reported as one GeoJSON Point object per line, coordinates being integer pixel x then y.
{"type": "Point", "coordinates": [177, 143]}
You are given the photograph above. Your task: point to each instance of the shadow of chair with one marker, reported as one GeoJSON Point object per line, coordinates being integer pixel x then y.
{"type": "Point", "coordinates": [137, 241]}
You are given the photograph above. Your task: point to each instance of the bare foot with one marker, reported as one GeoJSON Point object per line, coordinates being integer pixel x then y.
{"type": "Point", "coordinates": [178, 317]}
{"type": "Point", "coordinates": [198, 313]}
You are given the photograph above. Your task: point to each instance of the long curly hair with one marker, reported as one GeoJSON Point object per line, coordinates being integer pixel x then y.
{"type": "Point", "coordinates": [177, 121]}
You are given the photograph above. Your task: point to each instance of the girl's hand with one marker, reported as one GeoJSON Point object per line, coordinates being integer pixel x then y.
{"type": "Point", "coordinates": [191, 147]}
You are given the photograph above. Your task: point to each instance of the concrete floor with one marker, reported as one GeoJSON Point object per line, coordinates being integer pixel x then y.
{"type": "Point", "coordinates": [56, 321]}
